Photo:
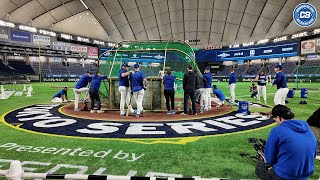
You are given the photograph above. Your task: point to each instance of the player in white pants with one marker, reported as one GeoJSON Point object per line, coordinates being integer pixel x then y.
{"type": "Point", "coordinates": [124, 88]}
{"type": "Point", "coordinates": [80, 87]}
{"type": "Point", "coordinates": [232, 85]}
{"type": "Point", "coordinates": [262, 88]}
{"type": "Point", "coordinates": [207, 76]}
{"type": "Point", "coordinates": [138, 84]}
{"type": "Point", "coordinates": [281, 82]}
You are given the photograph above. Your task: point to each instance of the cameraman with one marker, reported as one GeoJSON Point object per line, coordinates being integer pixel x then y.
{"type": "Point", "coordinates": [290, 150]}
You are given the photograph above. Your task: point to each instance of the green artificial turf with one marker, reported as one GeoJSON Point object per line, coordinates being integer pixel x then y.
{"type": "Point", "coordinates": [207, 157]}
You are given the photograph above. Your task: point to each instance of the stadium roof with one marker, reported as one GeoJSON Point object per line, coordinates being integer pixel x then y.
{"type": "Point", "coordinates": [219, 22]}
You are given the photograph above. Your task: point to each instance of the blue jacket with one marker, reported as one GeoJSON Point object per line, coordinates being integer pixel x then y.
{"type": "Point", "coordinates": [168, 82]}
{"type": "Point", "coordinates": [60, 93]}
{"type": "Point", "coordinates": [123, 81]}
{"type": "Point", "coordinates": [291, 149]}
{"type": "Point", "coordinates": [281, 80]}
{"type": "Point", "coordinates": [83, 82]}
{"type": "Point", "coordinates": [219, 94]}
{"type": "Point", "coordinates": [137, 81]}
{"type": "Point", "coordinates": [96, 81]}
{"type": "Point", "coordinates": [232, 78]}
{"type": "Point", "coordinates": [208, 78]}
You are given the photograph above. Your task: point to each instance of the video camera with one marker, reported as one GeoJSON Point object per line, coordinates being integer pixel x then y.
{"type": "Point", "coordinates": [259, 146]}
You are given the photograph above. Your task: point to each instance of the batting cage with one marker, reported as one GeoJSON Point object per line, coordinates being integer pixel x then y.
{"type": "Point", "coordinates": [155, 57]}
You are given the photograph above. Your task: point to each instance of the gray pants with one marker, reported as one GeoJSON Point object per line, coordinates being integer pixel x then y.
{"type": "Point", "coordinates": [200, 96]}
{"type": "Point", "coordinates": [264, 173]}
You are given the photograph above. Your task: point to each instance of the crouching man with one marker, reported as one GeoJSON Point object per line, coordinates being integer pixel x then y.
{"type": "Point", "coordinates": [61, 96]}
{"type": "Point", "coordinates": [290, 150]}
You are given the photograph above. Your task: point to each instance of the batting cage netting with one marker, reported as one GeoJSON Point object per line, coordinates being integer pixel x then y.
{"type": "Point", "coordinates": [155, 57]}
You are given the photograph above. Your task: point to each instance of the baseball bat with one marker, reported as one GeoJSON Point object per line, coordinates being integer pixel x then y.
{"type": "Point", "coordinates": [129, 106]}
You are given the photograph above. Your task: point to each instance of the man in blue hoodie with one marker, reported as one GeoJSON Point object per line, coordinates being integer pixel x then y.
{"type": "Point", "coordinates": [207, 76]}
{"type": "Point", "coordinates": [281, 82]}
{"type": "Point", "coordinates": [94, 91]}
{"type": "Point", "coordinates": [81, 86]}
{"type": "Point", "coordinates": [290, 149]}
{"type": "Point", "coordinates": [232, 85]}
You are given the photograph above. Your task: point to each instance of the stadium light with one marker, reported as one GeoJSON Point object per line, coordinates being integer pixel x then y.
{"type": "Point", "coordinates": [83, 39]}
{"type": "Point", "coordinates": [7, 24]}
{"type": "Point", "coordinates": [262, 41]}
{"type": "Point", "coordinates": [84, 4]}
{"type": "Point", "coordinates": [316, 31]}
{"type": "Point", "coordinates": [50, 33]}
{"type": "Point", "coordinates": [98, 42]}
{"type": "Point", "coordinates": [248, 43]}
{"type": "Point", "coordinates": [298, 35]}
{"type": "Point", "coordinates": [278, 39]}
{"type": "Point", "coordinates": [234, 46]}
{"type": "Point", "coordinates": [28, 28]}
{"type": "Point", "coordinates": [66, 36]}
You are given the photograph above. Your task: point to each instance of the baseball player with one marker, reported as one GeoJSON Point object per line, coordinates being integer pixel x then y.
{"type": "Point", "coordinates": [124, 88]}
{"type": "Point", "coordinates": [81, 86]}
{"type": "Point", "coordinates": [61, 96]}
{"type": "Point", "coordinates": [232, 85]}
{"type": "Point", "coordinates": [262, 80]}
{"type": "Point", "coordinates": [219, 96]}
{"type": "Point", "coordinates": [168, 81]}
{"type": "Point", "coordinates": [200, 91]}
{"type": "Point", "coordinates": [138, 83]}
{"type": "Point", "coordinates": [281, 82]}
{"type": "Point", "coordinates": [94, 91]}
{"type": "Point", "coordinates": [207, 89]}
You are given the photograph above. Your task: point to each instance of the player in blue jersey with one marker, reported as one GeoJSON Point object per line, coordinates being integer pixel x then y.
{"type": "Point", "coordinates": [281, 82]}
{"type": "Point", "coordinates": [94, 91]}
{"type": "Point", "coordinates": [61, 96]}
{"type": "Point", "coordinates": [80, 87]}
{"type": "Point", "coordinates": [219, 96]}
{"type": "Point", "coordinates": [262, 80]}
{"type": "Point", "coordinates": [138, 83]}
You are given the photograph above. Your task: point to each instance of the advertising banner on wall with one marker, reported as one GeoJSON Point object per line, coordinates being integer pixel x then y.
{"type": "Point", "coordinates": [41, 40]}
{"type": "Point", "coordinates": [259, 52]}
{"type": "Point", "coordinates": [61, 46]}
{"type": "Point", "coordinates": [318, 45]}
{"type": "Point", "coordinates": [93, 52]}
{"type": "Point", "coordinates": [3, 33]}
{"type": "Point", "coordinates": [308, 47]}
{"type": "Point", "coordinates": [20, 36]}
{"type": "Point", "coordinates": [80, 49]}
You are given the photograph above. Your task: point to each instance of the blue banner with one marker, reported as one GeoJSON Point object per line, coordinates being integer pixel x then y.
{"type": "Point", "coordinates": [258, 52]}
{"type": "Point", "coordinates": [275, 50]}
{"type": "Point", "coordinates": [20, 36]}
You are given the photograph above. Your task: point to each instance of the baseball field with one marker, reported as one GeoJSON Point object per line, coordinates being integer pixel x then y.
{"type": "Point", "coordinates": [203, 156]}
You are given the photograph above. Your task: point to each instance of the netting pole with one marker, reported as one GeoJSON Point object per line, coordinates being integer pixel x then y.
{"type": "Point", "coordinates": [297, 79]}
{"type": "Point", "coordinates": [165, 57]}
{"type": "Point", "coordinates": [115, 56]}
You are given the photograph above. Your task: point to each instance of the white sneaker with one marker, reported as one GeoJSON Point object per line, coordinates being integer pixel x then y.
{"type": "Point", "coordinates": [183, 114]}
{"type": "Point", "coordinates": [77, 109]}
{"type": "Point", "coordinates": [93, 111]}
{"type": "Point", "coordinates": [100, 111]}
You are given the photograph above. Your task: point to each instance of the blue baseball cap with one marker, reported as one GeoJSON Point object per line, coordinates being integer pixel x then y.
{"type": "Point", "coordinates": [125, 65]}
{"type": "Point", "coordinates": [207, 68]}
{"type": "Point", "coordinates": [279, 66]}
{"type": "Point", "coordinates": [136, 66]}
